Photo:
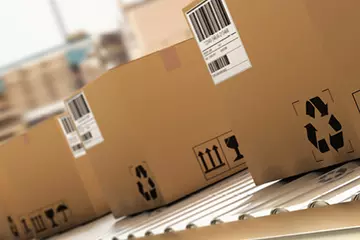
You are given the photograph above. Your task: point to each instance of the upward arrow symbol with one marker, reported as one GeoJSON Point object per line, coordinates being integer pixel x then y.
{"type": "Point", "coordinates": [201, 155]}
{"type": "Point", "coordinates": [208, 151]}
{"type": "Point", "coordinates": [215, 148]}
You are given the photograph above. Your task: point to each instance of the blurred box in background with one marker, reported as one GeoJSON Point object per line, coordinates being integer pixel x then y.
{"type": "Point", "coordinates": [58, 80]}
{"type": "Point", "coordinates": [155, 25]}
{"type": "Point", "coordinates": [18, 91]}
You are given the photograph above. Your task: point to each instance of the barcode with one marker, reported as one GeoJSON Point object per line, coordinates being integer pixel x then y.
{"type": "Point", "coordinates": [79, 107]}
{"type": "Point", "coordinates": [86, 136]}
{"type": "Point", "coordinates": [68, 125]}
{"type": "Point", "coordinates": [77, 147]}
{"type": "Point", "coordinates": [209, 19]}
{"type": "Point", "coordinates": [219, 63]}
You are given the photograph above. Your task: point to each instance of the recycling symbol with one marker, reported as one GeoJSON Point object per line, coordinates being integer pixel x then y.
{"type": "Point", "coordinates": [146, 185]}
{"type": "Point", "coordinates": [336, 140]}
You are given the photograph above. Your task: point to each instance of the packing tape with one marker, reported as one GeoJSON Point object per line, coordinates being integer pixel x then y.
{"type": "Point", "coordinates": [170, 58]}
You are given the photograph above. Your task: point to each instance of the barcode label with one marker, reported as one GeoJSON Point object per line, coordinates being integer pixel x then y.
{"type": "Point", "coordinates": [86, 136]}
{"type": "Point", "coordinates": [84, 120]}
{"type": "Point", "coordinates": [209, 19]}
{"type": "Point", "coordinates": [219, 63]}
{"type": "Point", "coordinates": [71, 136]}
{"type": "Point", "coordinates": [78, 107]}
{"type": "Point", "coordinates": [68, 125]}
{"type": "Point", "coordinates": [218, 39]}
{"type": "Point", "coordinates": [77, 147]}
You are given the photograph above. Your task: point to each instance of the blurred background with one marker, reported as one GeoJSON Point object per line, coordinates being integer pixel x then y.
{"type": "Point", "coordinates": [50, 48]}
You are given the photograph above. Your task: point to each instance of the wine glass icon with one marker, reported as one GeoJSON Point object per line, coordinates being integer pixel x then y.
{"type": "Point", "coordinates": [50, 214]}
{"type": "Point", "coordinates": [231, 142]}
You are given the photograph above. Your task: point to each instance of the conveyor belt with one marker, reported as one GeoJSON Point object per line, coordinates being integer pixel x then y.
{"type": "Point", "coordinates": [238, 198]}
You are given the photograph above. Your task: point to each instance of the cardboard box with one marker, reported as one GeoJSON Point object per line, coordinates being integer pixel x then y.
{"type": "Point", "coordinates": [155, 130]}
{"type": "Point", "coordinates": [279, 84]}
{"type": "Point", "coordinates": [337, 23]}
{"type": "Point", "coordinates": [5, 229]}
{"type": "Point", "coordinates": [41, 186]}
{"type": "Point", "coordinates": [83, 165]}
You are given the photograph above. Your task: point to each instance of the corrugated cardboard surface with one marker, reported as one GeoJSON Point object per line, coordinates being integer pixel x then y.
{"type": "Point", "coordinates": [336, 217]}
{"type": "Point", "coordinates": [38, 176]}
{"type": "Point", "coordinates": [89, 179]}
{"type": "Point", "coordinates": [5, 231]}
{"type": "Point", "coordinates": [267, 103]}
{"type": "Point", "coordinates": [159, 112]}
{"type": "Point", "coordinates": [337, 22]}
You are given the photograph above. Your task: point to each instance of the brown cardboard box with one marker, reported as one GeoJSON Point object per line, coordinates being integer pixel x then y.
{"type": "Point", "coordinates": [44, 193]}
{"type": "Point", "coordinates": [5, 230]}
{"type": "Point", "coordinates": [337, 22]}
{"type": "Point", "coordinates": [278, 82]}
{"type": "Point", "coordinates": [84, 166]}
{"type": "Point", "coordinates": [151, 128]}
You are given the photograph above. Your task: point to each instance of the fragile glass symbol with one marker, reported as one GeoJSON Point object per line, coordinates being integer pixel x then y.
{"type": "Point", "coordinates": [231, 142]}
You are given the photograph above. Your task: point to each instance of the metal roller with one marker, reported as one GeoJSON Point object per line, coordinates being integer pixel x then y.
{"type": "Point", "coordinates": [237, 198]}
{"type": "Point", "coordinates": [236, 183]}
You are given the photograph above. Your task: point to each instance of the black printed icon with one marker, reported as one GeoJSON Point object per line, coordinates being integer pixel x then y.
{"type": "Point", "coordinates": [38, 223]}
{"type": "Point", "coordinates": [13, 227]}
{"type": "Point", "coordinates": [215, 160]}
{"type": "Point", "coordinates": [50, 214]}
{"type": "Point", "coordinates": [26, 227]}
{"type": "Point", "coordinates": [231, 142]}
{"type": "Point", "coordinates": [147, 190]}
{"type": "Point", "coordinates": [336, 140]}
{"type": "Point", "coordinates": [62, 208]}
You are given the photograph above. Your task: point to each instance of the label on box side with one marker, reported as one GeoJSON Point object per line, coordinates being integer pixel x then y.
{"type": "Point", "coordinates": [218, 39]}
{"type": "Point", "coordinates": [72, 136]}
{"type": "Point", "coordinates": [84, 120]}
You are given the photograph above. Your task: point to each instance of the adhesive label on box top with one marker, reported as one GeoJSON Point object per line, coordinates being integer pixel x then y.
{"type": "Point", "coordinates": [85, 121]}
{"type": "Point", "coordinates": [218, 39]}
{"type": "Point", "coordinates": [72, 136]}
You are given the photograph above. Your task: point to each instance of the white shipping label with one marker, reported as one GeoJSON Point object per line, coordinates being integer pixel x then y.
{"type": "Point", "coordinates": [218, 39]}
{"type": "Point", "coordinates": [72, 136]}
{"type": "Point", "coordinates": [84, 120]}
